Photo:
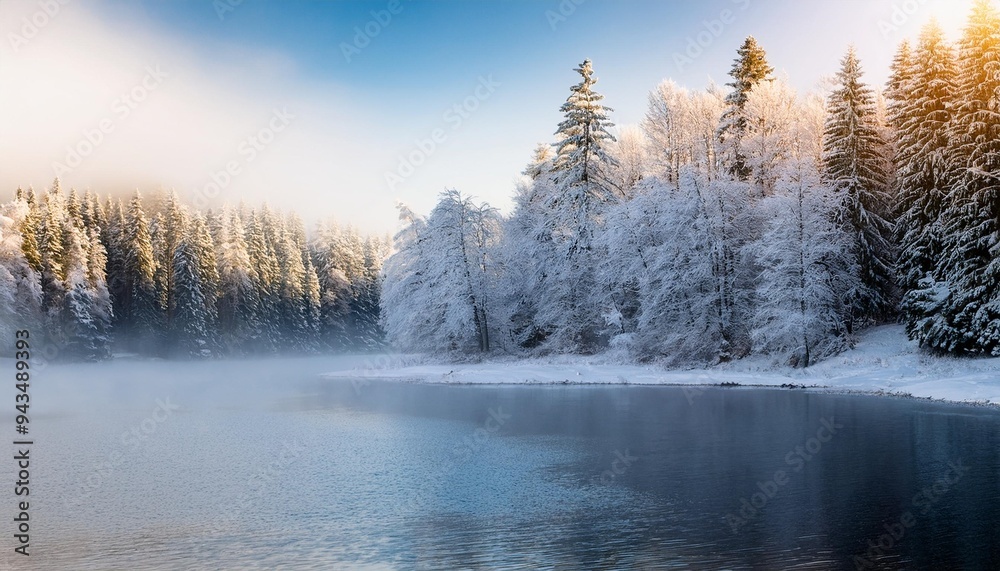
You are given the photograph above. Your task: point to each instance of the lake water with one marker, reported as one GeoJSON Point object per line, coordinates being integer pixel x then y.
{"type": "Point", "coordinates": [264, 466]}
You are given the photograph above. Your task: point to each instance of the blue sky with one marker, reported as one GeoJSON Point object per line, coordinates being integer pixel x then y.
{"type": "Point", "coordinates": [357, 119]}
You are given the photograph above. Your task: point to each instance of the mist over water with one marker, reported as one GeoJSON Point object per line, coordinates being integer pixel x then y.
{"type": "Point", "coordinates": [263, 464]}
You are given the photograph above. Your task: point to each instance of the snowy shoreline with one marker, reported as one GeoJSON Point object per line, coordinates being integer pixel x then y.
{"type": "Point", "coordinates": [884, 363]}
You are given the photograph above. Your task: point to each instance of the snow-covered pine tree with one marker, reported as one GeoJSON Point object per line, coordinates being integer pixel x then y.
{"type": "Point", "coordinates": [307, 304]}
{"type": "Point", "coordinates": [749, 69]}
{"type": "Point", "coordinates": [52, 254]}
{"type": "Point", "coordinates": [20, 282]}
{"type": "Point", "coordinates": [208, 270]}
{"type": "Point", "coordinates": [29, 227]}
{"type": "Point", "coordinates": [264, 277]}
{"type": "Point", "coordinates": [292, 311]}
{"type": "Point", "coordinates": [111, 237]}
{"type": "Point", "coordinates": [567, 306]}
{"type": "Point", "coordinates": [139, 316]}
{"type": "Point", "coordinates": [335, 287]}
{"type": "Point", "coordinates": [855, 166]}
{"type": "Point", "coordinates": [92, 214]}
{"type": "Point", "coordinates": [189, 327]}
{"type": "Point", "coordinates": [97, 260]}
{"type": "Point", "coordinates": [339, 257]}
{"type": "Point", "coordinates": [971, 267]}
{"type": "Point", "coordinates": [923, 172]}
{"type": "Point", "coordinates": [163, 273]}
{"type": "Point", "coordinates": [86, 315]}
{"type": "Point", "coordinates": [541, 161]}
{"type": "Point", "coordinates": [238, 303]}
{"type": "Point", "coordinates": [350, 258]}
{"type": "Point", "coordinates": [368, 303]}
{"type": "Point", "coordinates": [581, 153]}
{"type": "Point", "coordinates": [898, 87]}
{"type": "Point", "coordinates": [169, 227]}
{"type": "Point", "coordinates": [74, 210]}
{"type": "Point", "coordinates": [311, 301]}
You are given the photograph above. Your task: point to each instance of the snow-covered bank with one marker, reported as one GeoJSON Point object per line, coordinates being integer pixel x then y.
{"type": "Point", "coordinates": [884, 361]}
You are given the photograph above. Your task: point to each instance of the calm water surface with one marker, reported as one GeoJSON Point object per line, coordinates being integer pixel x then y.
{"type": "Point", "coordinates": [266, 466]}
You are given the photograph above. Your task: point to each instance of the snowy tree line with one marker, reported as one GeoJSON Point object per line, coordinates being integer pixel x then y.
{"type": "Point", "coordinates": [731, 222]}
{"type": "Point", "coordinates": [156, 278]}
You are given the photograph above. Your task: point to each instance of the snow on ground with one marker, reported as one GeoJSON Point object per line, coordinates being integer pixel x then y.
{"type": "Point", "coordinates": [884, 361]}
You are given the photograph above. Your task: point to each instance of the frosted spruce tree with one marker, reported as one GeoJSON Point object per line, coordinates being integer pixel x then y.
{"type": "Point", "coordinates": [86, 315]}
{"type": "Point", "coordinates": [190, 327]}
{"type": "Point", "coordinates": [749, 69]}
{"type": "Point", "coordinates": [971, 266]}
{"type": "Point", "coordinates": [922, 121]}
{"type": "Point", "coordinates": [265, 282]}
{"type": "Point", "coordinates": [347, 267]}
{"type": "Point", "coordinates": [20, 281]}
{"type": "Point", "coordinates": [369, 334]}
{"type": "Point", "coordinates": [51, 250]}
{"type": "Point", "coordinates": [294, 323]}
{"type": "Point", "coordinates": [330, 254]}
{"type": "Point", "coordinates": [895, 98]}
{"type": "Point", "coordinates": [238, 302]}
{"type": "Point", "coordinates": [140, 319]}
{"type": "Point", "coordinates": [855, 165]}
{"type": "Point", "coordinates": [169, 227]}
{"type": "Point", "coordinates": [567, 308]}
{"type": "Point", "coordinates": [311, 299]}
{"type": "Point", "coordinates": [195, 283]}
{"type": "Point", "coordinates": [28, 225]}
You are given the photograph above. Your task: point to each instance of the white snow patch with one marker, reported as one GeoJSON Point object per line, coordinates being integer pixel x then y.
{"type": "Point", "coordinates": [883, 362]}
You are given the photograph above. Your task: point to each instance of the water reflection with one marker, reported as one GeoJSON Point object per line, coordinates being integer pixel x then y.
{"type": "Point", "coordinates": [330, 474]}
